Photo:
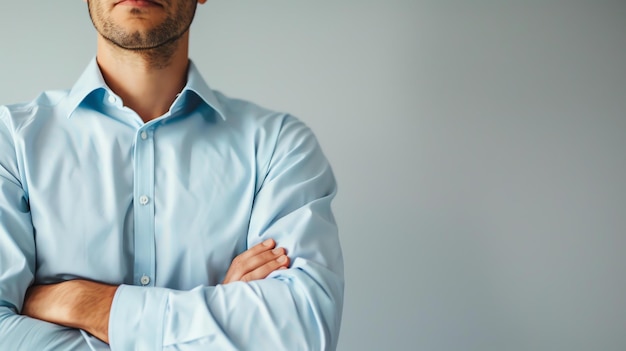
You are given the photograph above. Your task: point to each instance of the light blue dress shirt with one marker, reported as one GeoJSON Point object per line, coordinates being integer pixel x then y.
{"type": "Point", "coordinates": [88, 190]}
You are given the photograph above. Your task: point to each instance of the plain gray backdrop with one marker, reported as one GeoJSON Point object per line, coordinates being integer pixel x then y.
{"type": "Point", "coordinates": [479, 146]}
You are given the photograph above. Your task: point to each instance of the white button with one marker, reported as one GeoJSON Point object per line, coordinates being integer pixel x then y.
{"type": "Point", "coordinates": [112, 99]}
{"type": "Point", "coordinates": [143, 199]}
{"type": "Point", "coordinates": [145, 280]}
{"type": "Point", "coordinates": [144, 135]}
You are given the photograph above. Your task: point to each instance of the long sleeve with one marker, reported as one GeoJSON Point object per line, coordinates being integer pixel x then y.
{"type": "Point", "coordinates": [17, 264]}
{"type": "Point", "coordinates": [294, 309]}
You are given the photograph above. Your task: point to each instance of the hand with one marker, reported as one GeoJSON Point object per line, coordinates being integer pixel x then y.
{"type": "Point", "coordinates": [77, 304]}
{"type": "Point", "coordinates": [257, 262]}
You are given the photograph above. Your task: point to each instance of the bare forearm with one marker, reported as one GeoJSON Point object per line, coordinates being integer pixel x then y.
{"type": "Point", "coordinates": [86, 305]}
{"type": "Point", "coordinates": [78, 304]}
{"type": "Point", "coordinates": [92, 309]}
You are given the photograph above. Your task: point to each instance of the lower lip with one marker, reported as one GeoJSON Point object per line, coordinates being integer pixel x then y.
{"type": "Point", "coordinates": [138, 3]}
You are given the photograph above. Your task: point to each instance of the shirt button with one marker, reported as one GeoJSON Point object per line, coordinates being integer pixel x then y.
{"type": "Point", "coordinates": [145, 280]}
{"type": "Point", "coordinates": [112, 99]}
{"type": "Point", "coordinates": [144, 135]}
{"type": "Point", "coordinates": [143, 199]}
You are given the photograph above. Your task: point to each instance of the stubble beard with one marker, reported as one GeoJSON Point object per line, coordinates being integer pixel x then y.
{"type": "Point", "coordinates": [158, 45]}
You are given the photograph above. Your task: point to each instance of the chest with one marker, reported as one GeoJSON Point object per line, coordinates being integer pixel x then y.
{"type": "Point", "coordinates": [115, 202]}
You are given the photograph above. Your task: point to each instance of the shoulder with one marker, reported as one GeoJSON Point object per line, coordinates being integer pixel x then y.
{"type": "Point", "coordinates": [279, 139]}
{"type": "Point", "coordinates": [272, 124]}
{"type": "Point", "coordinates": [19, 115]}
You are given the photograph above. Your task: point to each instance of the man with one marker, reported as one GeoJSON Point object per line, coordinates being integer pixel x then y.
{"type": "Point", "coordinates": [142, 210]}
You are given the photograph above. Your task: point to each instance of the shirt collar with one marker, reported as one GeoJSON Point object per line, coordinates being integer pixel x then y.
{"type": "Point", "coordinates": [91, 80]}
{"type": "Point", "coordinates": [198, 85]}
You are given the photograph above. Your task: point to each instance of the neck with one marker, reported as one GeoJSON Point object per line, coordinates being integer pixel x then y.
{"type": "Point", "coordinates": [147, 80]}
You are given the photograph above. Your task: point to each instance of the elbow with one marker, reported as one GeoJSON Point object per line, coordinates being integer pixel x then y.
{"type": "Point", "coordinates": [321, 312]}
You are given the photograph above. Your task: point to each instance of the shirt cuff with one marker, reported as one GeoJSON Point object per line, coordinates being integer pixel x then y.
{"type": "Point", "coordinates": [136, 318]}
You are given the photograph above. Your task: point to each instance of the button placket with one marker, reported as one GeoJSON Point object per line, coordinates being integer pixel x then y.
{"type": "Point", "coordinates": [144, 266]}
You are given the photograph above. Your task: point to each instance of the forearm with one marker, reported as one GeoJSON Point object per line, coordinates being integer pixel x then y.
{"type": "Point", "coordinates": [92, 309]}
{"type": "Point", "coordinates": [86, 305]}
{"type": "Point", "coordinates": [23, 333]}
{"type": "Point", "coordinates": [294, 309]}
{"type": "Point", "coordinates": [77, 304]}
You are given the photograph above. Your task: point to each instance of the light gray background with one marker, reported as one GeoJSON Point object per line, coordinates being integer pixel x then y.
{"type": "Point", "coordinates": [480, 148]}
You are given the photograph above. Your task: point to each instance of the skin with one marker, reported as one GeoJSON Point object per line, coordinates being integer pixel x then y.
{"type": "Point", "coordinates": [144, 67]}
{"type": "Point", "coordinates": [86, 305]}
{"type": "Point", "coordinates": [143, 55]}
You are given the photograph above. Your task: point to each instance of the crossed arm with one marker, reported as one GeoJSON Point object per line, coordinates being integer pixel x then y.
{"type": "Point", "coordinates": [86, 305]}
{"type": "Point", "coordinates": [294, 309]}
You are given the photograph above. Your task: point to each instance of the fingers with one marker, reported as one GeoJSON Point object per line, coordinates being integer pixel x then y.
{"type": "Point", "coordinates": [257, 262]}
{"type": "Point", "coordinates": [262, 271]}
{"type": "Point", "coordinates": [256, 249]}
